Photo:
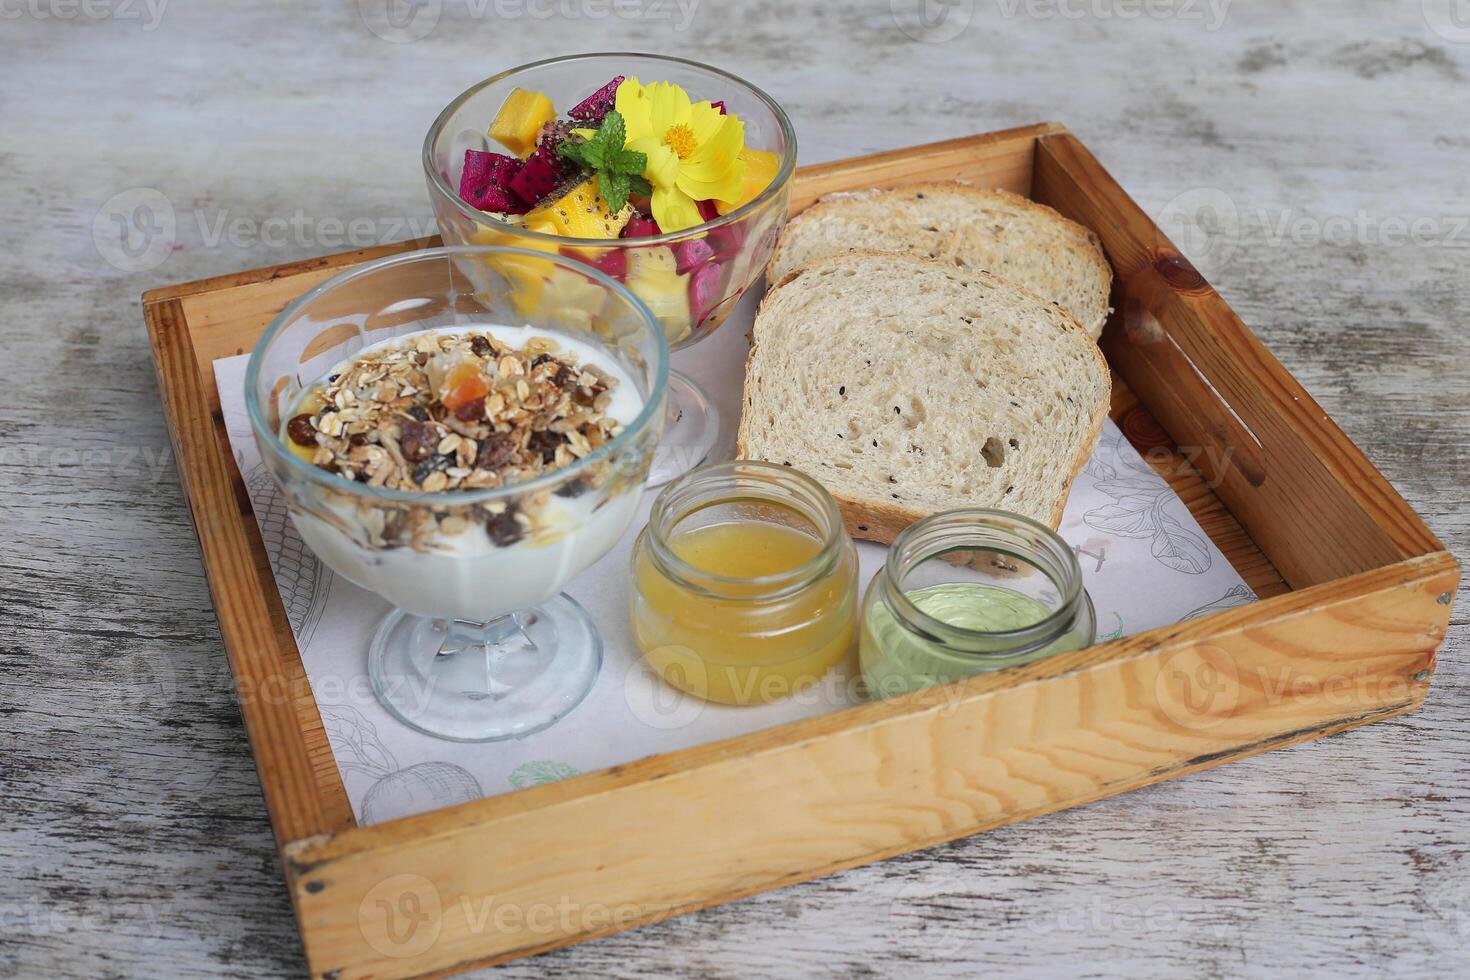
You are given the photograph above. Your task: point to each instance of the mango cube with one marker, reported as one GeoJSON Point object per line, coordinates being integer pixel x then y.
{"type": "Point", "coordinates": [582, 213]}
{"type": "Point", "coordinates": [760, 169]}
{"type": "Point", "coordinates": [520, 119]}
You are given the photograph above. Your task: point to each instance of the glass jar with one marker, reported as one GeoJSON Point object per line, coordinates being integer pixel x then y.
{"type": "Point", "coordinates": [745, 583]}
{"type": "Point", "coordinates": [969, 591]}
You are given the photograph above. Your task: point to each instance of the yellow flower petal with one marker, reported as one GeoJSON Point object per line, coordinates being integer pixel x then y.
{"type": "Point", "coordinates": [728, 187]}
{"type": "Point", "coordinates": [674, 210]}
{"type": "Point", "coordinates": [662, 169]}
{"type": "Point", "coordinates": [668, 105]}
{"type": "Point", "coordinates": [713, 158]}
{"type": "Point", "coordinates": [631, 101]}
{"type": "Point", "coordinates": [705, 120]}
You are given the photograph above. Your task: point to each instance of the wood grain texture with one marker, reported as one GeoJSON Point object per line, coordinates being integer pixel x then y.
{"type": "Point", "coordinates": [135, 831]}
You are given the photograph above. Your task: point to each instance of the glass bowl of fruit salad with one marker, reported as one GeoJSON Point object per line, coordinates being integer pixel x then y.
{"type": "Point", "coordinates": [463, 454]}
{"type": "Point", "coordinates": [669, 176]}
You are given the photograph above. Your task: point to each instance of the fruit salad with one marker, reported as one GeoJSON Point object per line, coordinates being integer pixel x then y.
{"type": "Point", "coordinates": [630, 161]}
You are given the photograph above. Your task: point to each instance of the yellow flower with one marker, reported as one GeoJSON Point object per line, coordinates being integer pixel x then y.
{"type": "Point", "coordinates": [693, 151]}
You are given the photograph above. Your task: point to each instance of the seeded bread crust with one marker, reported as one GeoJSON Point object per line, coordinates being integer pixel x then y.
{"type": "Point", "coordinates": [993, 230]}
{"type": "Point", "coordinates": [888, 286]}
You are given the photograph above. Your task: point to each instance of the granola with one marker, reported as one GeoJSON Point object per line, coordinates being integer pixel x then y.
{"type": "Point", "coordinates": [440, 411]}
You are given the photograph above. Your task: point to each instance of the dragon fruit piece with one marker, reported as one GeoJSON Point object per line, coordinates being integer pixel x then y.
{"type": "Point", "coordinates": [691, 253]}
{"type": "Point", "coordinates": [483, 182]}
{"type": "Point", "coordinates": [640, 227]}
{"type": "Point", "coordinates": [727, 240]}
{"type": "Point", "coordinates": [720, 105]}
{"type": "Point", "coordinates": [704, 291]}
{"type": "Point", "coordinates": [707, 210]}
{"type": "Point", "coordinates": [597, 105]}
{"type": "Point", "coordinates": [539, 175]}
{"type": "Point", "coordinates": [613, 263]}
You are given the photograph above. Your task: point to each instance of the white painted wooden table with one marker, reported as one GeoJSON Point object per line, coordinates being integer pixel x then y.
{"type": "Point", "coordinates": [1320, 151]}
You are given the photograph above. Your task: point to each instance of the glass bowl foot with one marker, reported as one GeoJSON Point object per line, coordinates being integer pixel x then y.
{"type": "Point", "coordinates": [483, 682]}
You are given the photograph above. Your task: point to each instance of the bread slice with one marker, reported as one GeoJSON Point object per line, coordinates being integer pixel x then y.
{"type": "Point", "coordinates": [1002, 233]}
{"type": "Point", "coordinates": [908, 387]}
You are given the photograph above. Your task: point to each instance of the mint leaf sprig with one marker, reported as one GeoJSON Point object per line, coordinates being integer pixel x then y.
{"type": "Point", "coordinates": [619, 171]}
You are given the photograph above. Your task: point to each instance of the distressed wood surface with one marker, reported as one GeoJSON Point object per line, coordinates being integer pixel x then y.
{"type": "Point", "coordinates": [1318, 151]}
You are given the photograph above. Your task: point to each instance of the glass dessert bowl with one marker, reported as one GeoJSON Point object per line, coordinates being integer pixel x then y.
{"type": "Point", "coordinates": [464, 455]}
{"type": "Point", "coordinates": [506, 164]}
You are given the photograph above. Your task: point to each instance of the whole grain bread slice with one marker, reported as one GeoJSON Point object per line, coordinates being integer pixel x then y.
{"type": "Point", "coordinates": [999, 232]}
{"type": "Point", "coordinates": [908, 387]}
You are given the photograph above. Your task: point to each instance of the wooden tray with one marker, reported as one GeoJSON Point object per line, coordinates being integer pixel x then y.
{"type": "Point", "coordinates": [1355, 590]}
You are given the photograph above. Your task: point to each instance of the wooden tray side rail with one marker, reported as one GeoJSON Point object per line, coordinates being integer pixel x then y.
{"type": "Point", "coordinates": [682, 831]}
{"type": "Point", "coordinates": [276, 703]}
{"type": "Point", "coordinates": [511, 875]}
{"type": "Point", "coordinates": [1311, 500]}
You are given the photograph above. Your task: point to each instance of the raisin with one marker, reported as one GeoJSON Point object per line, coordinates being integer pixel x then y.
{"type": "Point", "coordinates": [301, 431]}
{"type": "Point", "coordinates": [432, 465]}
{"type": "Point", "coordinates": [503, 528]}
{"type": "Point", "coordinates": [421, 358]}
{"type": "Point", "coordinates": [539, 360]}
{"type": "Point", "coordinates": [562, 377]}
{"type": "Point", "coordinates": [545, 443]}
{"type": "Point", "coordinates": [418, 441]}
{"type": "Point", "coordinates": [357, 439]}
{"type": "Point", "coordinates": [419, 412]}
{"type": "Point", "coordinates": [572, 488]}
{"type": "Point", "coordinates": [495, 451]}
{"type": "Point", "coordinates": [479, 346]}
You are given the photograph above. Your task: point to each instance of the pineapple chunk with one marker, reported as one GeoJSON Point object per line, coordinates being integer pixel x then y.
{"type": "Point", "coordinates": [571, 299]}
{"type": "Point", "coordinates": [651, 261]}
{"type": "Point", "coordinates": [526, 274]}
{"type": "Point", "coordinates": [653, 279]}
{"type": "Point", "coordinates": [582, 213]}
{"type": "Point", "coordinates": [760, 169]}
{"type": "Point", "coordinates": [520, 119]}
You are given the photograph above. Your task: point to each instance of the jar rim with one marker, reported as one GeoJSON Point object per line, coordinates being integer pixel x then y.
{"type": "Point", "coordinates": [927, 536]}
{"type": "Point", "coordinates": [700, 489]}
